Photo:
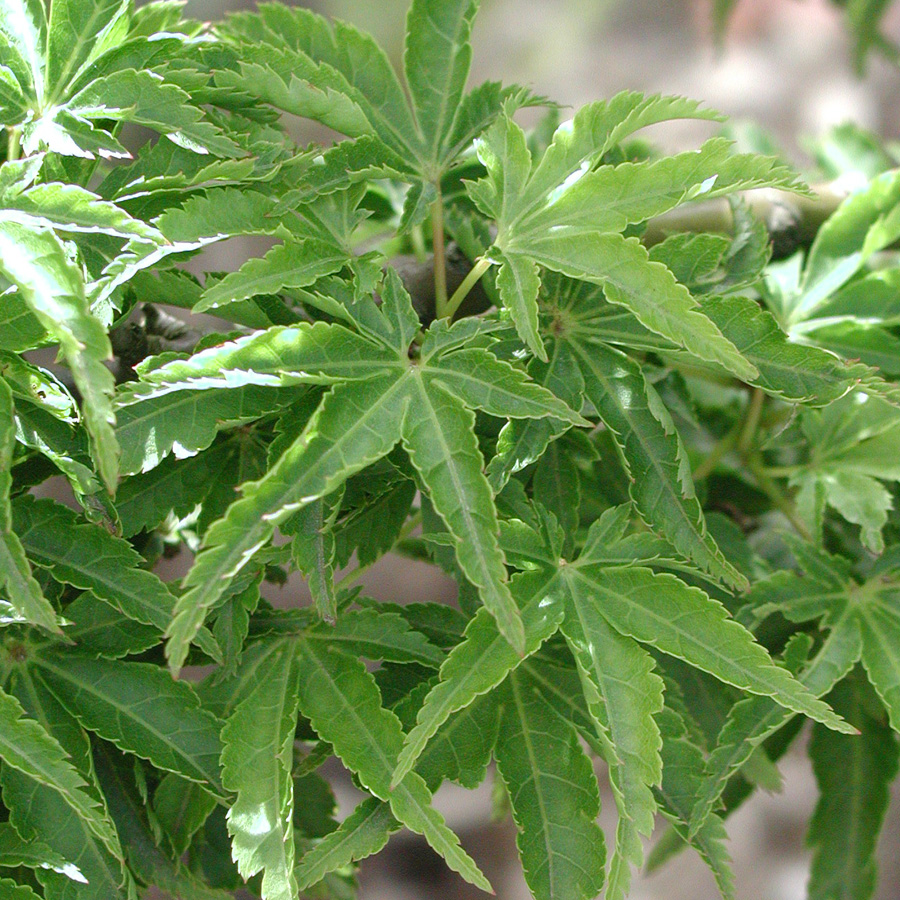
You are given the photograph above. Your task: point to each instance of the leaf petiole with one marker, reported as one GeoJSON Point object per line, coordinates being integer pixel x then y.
{"type": "Point", "coordinates": [468, 283]}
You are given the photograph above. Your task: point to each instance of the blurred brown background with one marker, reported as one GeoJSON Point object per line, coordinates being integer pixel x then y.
{"type": "Point", "coordinates": [785, 64]}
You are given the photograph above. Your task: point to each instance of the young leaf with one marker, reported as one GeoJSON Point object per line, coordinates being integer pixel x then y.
{"type": "Point", "coordinates": [257, 757]}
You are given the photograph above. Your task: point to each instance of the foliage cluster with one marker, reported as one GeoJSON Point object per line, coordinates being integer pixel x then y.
{"type": "Point", "coordinates": [661, 475]}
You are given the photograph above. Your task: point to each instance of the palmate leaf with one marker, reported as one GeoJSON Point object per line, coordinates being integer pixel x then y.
{"type": "Point", "coordinates": [140, 709]}
{"type": "Point", "coordinates": [647, 289]}
{"type": "Point", "coordinates": [21, 588]}
{"type": "Point", "coordinates": [515, 190]}
{"type": "Point", "coordinates": [483, 659]}
{"type": "Point", "coordinates": [864, 611]}
{"type": "Point", "coordinates": [357, 424]}
{"type": "Point", "coordinates": [343, 703]}
{"type": "Point", "coordinates": [554, 796]}
{"type": "Point", "coordinates": [27, 747]}
{"type": "Point", "coordinates": [36, 262]}
{"type": "Point", "coordinates": [854, 776]}
{"type": "Point", "coordinates": [257, 757]}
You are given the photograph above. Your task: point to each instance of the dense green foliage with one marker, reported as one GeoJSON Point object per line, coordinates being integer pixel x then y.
{"type": "Point", "coordinates": [662, 474]}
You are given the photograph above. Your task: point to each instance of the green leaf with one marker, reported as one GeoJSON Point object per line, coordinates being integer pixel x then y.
{"type": "Point", "coordinates": [522, 443]}
{"type": "Point", "coordinates": [654, 459]}
{"type": "Point", "coordinates": [880, 627]}
{"type": "Point", "coordinates": [364, 832]}
{"type": "Point", "coordinates": [377, 634]}
{"type": "Point", "coordinates": [97, 627]}
{"type": "Point", "coordinates": [151, 427]}
{"type": "Point", "coordinates": [753, 720]}
{"type": "Point", "coordinates": [27, 747]}
{"type": "Point", "coordinates": [612, 197]}
{"type": "Point", "coordinates": [34, 855]}
{"type": "Point", "coordinates": [854, 776]}
{"type": "Point", "coordinates": [594, 130]}
{"type": "Point", "coordinates": [145, 98]}
{"type": "Point", "coordinates": [24, 592]}
{"type": "Point", "coordinates": [356, 425]}
{"type": "Point", "coordinates": [42, 813]}
{"type": "Point", "coordinates": [76, 26]}
{"type": "Point", "coordinates": [554, 795]}
{"type": "Point", "coordinates": [277, 357]}
{"type": "Point", "coordinates": [483, 659]}
{"type": "Point", "coordinates": [181, 807]}
{"type": "Point", "coordinates": [518, 282]}
{"type": "Point", "coordinates": [23, 36]}
{"type": "Point", "coordinates": [436, 62]}
{"type": "Point", "coordinates": [257, 757]}
{"type": "Point", "coordinates": [863, 224]}
{"type": "Point", "coordinates": [89, 558]}
{"type": "Point", "coordinates": [786, 369]}
{"type": "Point", "coordinates": [682, 761]}
{"type": "Point", "coordinates": [682, 621]}
{"type": "Point", "coordinates": [289, 265]}
{"type": "Point", "coordinates": [127, 806]}
{"type": "Point", "coordinates": [36, 261]}
{"type": "Point", "coordinates": [69, 208]}
{"type": "Point", "coordinates": [624, 695]}
{"type": "Point", "coordinates": [438, 434]}
{"type": "Point", "coordinates": [649, 290]}
{"type": "Point", "coordinates": [343, 703]}
{"type": "Point", "coordinates": [9, 890]}
{"type": "Point", "coordinates": [140, 709]}
{"type": "Point", "coordinates": [483, 382]}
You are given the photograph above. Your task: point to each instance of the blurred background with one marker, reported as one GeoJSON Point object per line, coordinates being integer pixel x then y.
{"type": "Point", "coordinates": [784, 64]}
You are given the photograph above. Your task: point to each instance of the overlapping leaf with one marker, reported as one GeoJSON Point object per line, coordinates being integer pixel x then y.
{"type": "Point", "coordinates": [256, 764]}
{"type": "Point", "coordinates": [425, 405]}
